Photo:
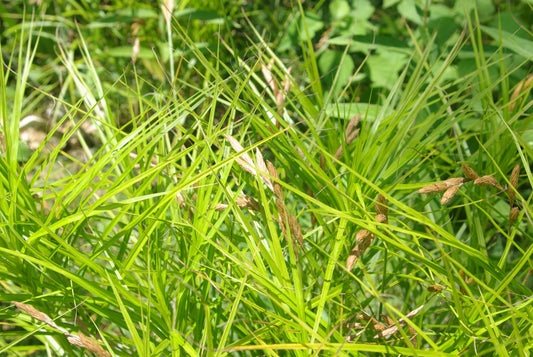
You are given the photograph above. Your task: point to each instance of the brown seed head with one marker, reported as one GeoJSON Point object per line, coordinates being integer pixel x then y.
{"type": "Point", "coordinates": [435, 288]}
{"type": "Point", "coordinates": [401, 322]}
{"type": "Point", "coordinates": [381, 205]}
{"type": "Point", "coordinates": [135, 49]}
{"type": "Point", "coordinates": [296, 231]}
{"type": "Point", "coordinates": [269, 78]}
{"type": "Point", "coordinates": [221, 207]}
{"type": "Point", "coordinates": [366, 318]}
{"type": "Point", "coordinates": [363, 239]}
{"type": "Point", "coordinates": [513, 215]}
{"type": "Point", "coordinates": [387, 320]}
{"type": "Point", "coordinates": [282, 212]}
{"type": "Point", "coordinates": [434, 188]}
{"type": "Point", "coordinates": [248, 202]}
{"type": "Point", "coordinates": [488, 180]}
{"type": "Point", "coordinates": [352, 136]}
{"type": "Point", "coordinates": [362, 235]}
{"type": "Point", "coordinates": [355, 325]}
{"type": "Point", "coordinates": [92, 346]}
{"type": "Point", "coordinates": [469, 172]}
{"type": "Point", "coordinates": [455, 181]}
{"type": "Point", "coordinates": [352, 258]}
{"type": "Point", "coordinates": [244, 160]}
{"type": "Point", "coordinates": [379, 327]}
{"type": "Point", "coordinates": [381, 218]}
{"type": "Point", "coordinates": [33, 312]}
{"type": "Point", "coordinates": [167, 7]}
{"type": "Point", "coordinates": [262, 169]}
{"type": "Point", "coordinates": [278, 192]}
{"type": "Point", "coordinates": [366, 242]}
{"type": "Point", "coordinates": [448, 195]}
{"type": "Point", "coordinates": [351, 126]}
{"type": "Point", "coordinates": [272, 170]}
{"type": "Point", "coordinates": [338, 153]}
{"type": "Point", "coordinates": [412, 331]}
{"type": "Point", "coordinates": [75, 340]}
{"type": "Point", "coordinates": [514, 183]}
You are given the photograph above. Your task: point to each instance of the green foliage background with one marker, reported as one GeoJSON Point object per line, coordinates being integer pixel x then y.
{"type": "Point", "coordinates": [113, 224]}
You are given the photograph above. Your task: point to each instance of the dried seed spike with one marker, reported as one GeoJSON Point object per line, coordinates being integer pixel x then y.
{"type": "Point", "coordinates": [276, 187]}
{"type": "Point", "coordinates": [381, 205]}
{"type": "Point", "coordinates": [41, 316]}
{"type": "Point", "coordinates": [362, 235]}
{"type": "Point", "coordinates": [365, 242]}
{"type": "Point", "coordinates": [448, 195]}
{"type": "Point", "coordinates": [435, 288]}
{"type": "Point", "coordinates": [282, 213]}
{"type": "Point", "coordinates": [434, 188]}
{"type": "Point", "coordinates": [513, 215]}
{"type": "Point", "coordinates": [355, 325]}
{"type": "Point", "coordinates": [364, 317]}
{"type": "Point", "coordinates": [351, 126]}
{"type": "Point", "coordinates": [220, 207]}
{"type": "Point", "coordinates": [244, 164]}
{"type": "Point", "coordinates": [381, 218]}
{"type": "Point", "coordinates": [296, 231]}
{"type": "Point", "coordinates": [352, 136]}
{"type": "Point", "coordinates": [520, 88]}
{"type": "Point", "coordinates": [401, 322]}
{"type": "Point", "coordinates": [455, 181]}
{"type": "Point", "coordinates": [367, 318]}
{"type": "Point", "coordinates": [488, 180]}
{"type": "Point", "coordinates": [514, 183]}
{"type": "Point", "coordinates": [244, 160]}
{"type": "Point", "coordinates": [248, 202]}
{"type": "Point", "coordinates": [322, 162]}
{"type": "Point", "coordinates": [75, 340]}
{"type": "Point", "coordinates": [352, 258]}
{"type": "Point", "coordinates": [135, 49]}
{"type": "Point", "coordinates": [338, 153]}
{"type": "Point", "coordinates": [363, 239]}
{"type": "Point", "coordinates": [412, 331]}
{"type": "Point", "coordinates": [267, 73]}
{"type": "Point", "coordinates": [272, 170]}
{"type": "Point", "coordinates": [92, 346]}
{"type": "Point", "coordinates": [167, 7]}
{"type": "Point", "coordinates": [379, 327]}
{"type": "Point", "coordinates": [387, 320]}
{"type": "Point", "coordinates": [469, 172]}
{"type": "Point", "coordinates": [280, 100]}
{"type": "Point", "coordinates": [263, 170]}
{"type": "Point", "coordinates": [33, 312]}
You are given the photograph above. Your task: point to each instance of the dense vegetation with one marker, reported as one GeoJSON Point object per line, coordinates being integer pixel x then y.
{"type": "Point", "coordinates": [265, 178]}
